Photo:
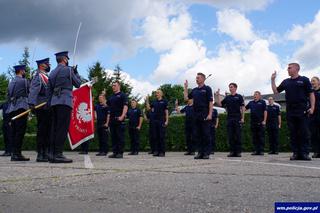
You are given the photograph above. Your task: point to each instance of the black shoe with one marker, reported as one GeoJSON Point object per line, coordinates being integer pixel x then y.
{"type": "Point", "coordinates": [162, 154]}
{"type": "Point", "coordinates": [119, 156]}
{"type": "Point", "coordinates": [60, 158]}
{"type": "Point", "coordinates": [135, 153]}
{"type": "Point", "coordinates": [130, 153]}
{"type": "Point", "coordinates": [294, 157]}
{"type": "Point", "coordinates": [198, 156]}
{"type": "Point", "coordinates": [40, 158]}
{"type": "Point", "coordinates": [212, 153]}
{"type": "Point", "coordinates": [113, 155]}
{"type": "Point", "coordinates": [273, 153]}
{"type": "Point", "coordinates": [150, 153]}
{"type": "Point", "coordinates": [101, 154]}
{"type": "Point", "coordinates": [5, 154]}
{"type": "Point", "coordinates": [257, 153]}
{"type": "Point", "coordinates": [19, 157]}
{"type": "Point", "coordinates": [189, 153]}
{"type": "Point", "coordinates": [83, 153]}
{"type": "Point", "coordinates": [316, 155]}
{"type": "Point", "coordinates": [205, 157]}
{"type": "Point", "coordinates": [305, 157]}
{"type": "Point", "coordinates": [237, 155]}
{"type": "Point", "coordinates": [156, 154]}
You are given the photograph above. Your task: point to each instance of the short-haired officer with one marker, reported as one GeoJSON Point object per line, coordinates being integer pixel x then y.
{"type": "Point", "coordinates": [273, 125]}
{"type": "Point", "coordinates": [298, 92]}
{"type": "Point", "coordinates": [258, 117]}
{"type": "Point", "coordinates": [18, 91]}
{"type": "Point", "coordinates": [39, 93]}
{"type": "Point", "coordinates": [61, 82]}
{"type": "Point", "coordinates": [202, 105]}
{"type": "Point", "coordinates": [118, 103]}
{"type": "Point", "coordinates": [135, 122]}
{"type": "Point", "coordinates": [161, 119]}
{"type": "Point", "coordinates": [234, 104]}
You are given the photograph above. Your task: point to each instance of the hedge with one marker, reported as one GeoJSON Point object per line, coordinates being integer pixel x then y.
{"type": "Point", "coordinates": [175, 140]}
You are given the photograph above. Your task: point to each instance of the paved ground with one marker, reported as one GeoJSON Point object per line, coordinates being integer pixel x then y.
{"type": "Point", "coordinates": [143, 183]}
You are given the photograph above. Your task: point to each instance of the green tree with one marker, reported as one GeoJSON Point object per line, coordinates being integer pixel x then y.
{"type": "Point", "coordinates": [4, 81]}
{"type": "Point", "coordinates": [24, 61]}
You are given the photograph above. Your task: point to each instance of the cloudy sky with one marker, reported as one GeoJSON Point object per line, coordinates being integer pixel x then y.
{"type": "Point", "coordinates": [168, 41]}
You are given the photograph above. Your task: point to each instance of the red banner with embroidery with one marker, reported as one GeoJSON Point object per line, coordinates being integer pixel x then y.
{"type": "Point", "coordinates": [81, 127]}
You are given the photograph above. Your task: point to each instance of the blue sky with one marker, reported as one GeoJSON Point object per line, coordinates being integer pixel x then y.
{"type": "Point", "coordinates": [169, 41]}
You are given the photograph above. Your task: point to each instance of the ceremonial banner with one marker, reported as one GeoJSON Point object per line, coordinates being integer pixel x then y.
{"type": "Point", "coordinates": [81, 126]}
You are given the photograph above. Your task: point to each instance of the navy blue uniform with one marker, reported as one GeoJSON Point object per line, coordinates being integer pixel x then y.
{"type": "Point", "coordinates": [18, 91]}
{"type": "Point", "coordinates": [150, 117]}
{"type": "Point", "coordinates": [158, 108]}
{"type": "Point", "coordinates": [297, 94]}
{"type": "Point", "coordinates": [6, 128]}
{"type": "Point", "coordinates": [202, 96]}
{"type": "Point", "coordinates": [102, 112]}
{"type": "Point", "coordinates": [116, 102]}
{"type": "Point", "coordinates": [257, 109]}
{"type": "Point", "coordinates": [315, 125]}
{"type": "Point", "coordinates": [189, 128]}
{"type": "Point", "coordinates": [273, 112]}
{"type": "Point", "coordinates": [213, 130]}
{"type": "Point", "coordinates": [233, 104]}
{"type": "Point", "coordinates": [134, 116]}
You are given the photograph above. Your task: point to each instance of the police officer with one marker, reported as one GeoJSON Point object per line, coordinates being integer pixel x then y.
{"type": "Point", "coordinates": [234, 105]}
{"type": "Point", "coordinates": [18, 90]}
{"type": "Point", "coordinates": [135, 122]}
{"type": "Point", "coordinates": [273, 125]}
{"type": "Point", "coordinates": [298, 89]}
{"type": "Point", "coordinates": [202, 106]}
{"type": "Point", "coordinates": [118, 103]}
{"type": "Point", "coordinates": [258, 117]}
{"type": "Point", "coordinates": [103, 118]}
{"type": "Point", "coordinates": [61, 82]}
{"type": "Point", "coordinates": [149, 116]}
{"type": "Point", "coordinates": [161, 120]}
{"type": "Point", "coordinates": [6, 130]}
{"type": "Point", "coordinates": [315, 118]}
{"type": "Point", "coordinates": [189, 126]}
{"type": "Point", "coordinates": [213, 127]}
{"type": "Point", "coordinates": [39, 93]}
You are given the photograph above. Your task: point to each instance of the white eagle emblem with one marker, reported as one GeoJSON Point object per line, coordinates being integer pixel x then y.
{"type": "Point", "coordinates": [83, 113]}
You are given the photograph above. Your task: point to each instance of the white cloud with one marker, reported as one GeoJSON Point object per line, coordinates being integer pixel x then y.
{"type": "Point", "coordinates": [308, 54]}
{"type": "Point", "coordinates": [183, 55]}
{"type": "Point", "coordinates": [235, 24]}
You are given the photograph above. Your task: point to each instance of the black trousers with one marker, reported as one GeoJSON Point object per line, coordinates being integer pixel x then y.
{"type": "Point", "coordinates": [134, 135]}
{"type": "Point", "coordinates": [258, 138]}
{"type": "Point", "coordinates": [60, 126]}
{"type": "Point", "coordinates": [202, 135]}
{"type": "Point", "coordinates": [103, 139]}
{"type": "Point", "coordinates": [299, 133]}
{"type": "Point", "coordinates": [117, 130]}
{"type": "Point", "coordinates": [315, 133]}
{"type": "Point", "coordinates": [234, 134]}
{"type": "Point", "coordinates": [85, 146]}
{"type": "Point", "coordinates": [7, 135]}
{"type": "Point", "coordinates": [150, 136]}
{"type": "Point", "coordinates": [159, 134]}
{"type": "Point", "coordinates": [212, 139]}
{"type": "Point", "coordinates": [189, 134]}
{"type": "Point", "coordinates": [273, 136]}
{"type": "Point", "coordinates": [19, 127]}
{"type": "Point", "coordinates": [43, 129]}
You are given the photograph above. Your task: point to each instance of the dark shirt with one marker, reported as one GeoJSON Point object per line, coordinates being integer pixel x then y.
{"type": "Point", "coordinates": [188, 110]}
{"type": "Point", "coordinates": [102, 113]}
{"type": "Point", "coordinates": [317, 102]}
{"type": "Point", "coordinates": [233, 103]}
{"type": "Point", "coordinates": [201, 96]}
{"type": "Point", "coordinates": [272, 115]}
{"type": "Point", "coordinates": [297, 93]}
{"type": "Point", "coordinates": [116, 102]}
{"type": "Point", "coordinates": [257, 109]}
{"type": "Point", "coordinates": [150, 116]}
{"type": "Point", "coordinates": [134, 117]}
{"type": "Point", "coordinates": [214, 117]}
{"type": "Point", "coordinates": [159, 107]}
